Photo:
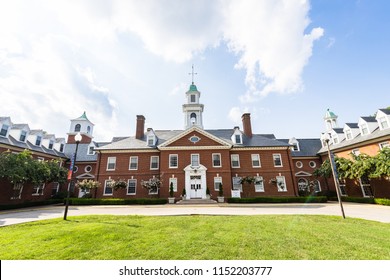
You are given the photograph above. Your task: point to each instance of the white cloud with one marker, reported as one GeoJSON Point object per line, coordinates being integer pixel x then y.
{"type": "Point", "coordinates": [54, 53]}
{"type": "Point", "coordinates": [269, 38]}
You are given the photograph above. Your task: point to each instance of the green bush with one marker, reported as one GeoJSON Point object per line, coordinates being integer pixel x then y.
{"type": "Point", "coordinates": [30, 204]}
{"type": "Point", "coordinates": [382, 201]}
{"type": "Point", "coordinates": [293, 199]}
{"type": "Point", "coordinates": [117, 201]}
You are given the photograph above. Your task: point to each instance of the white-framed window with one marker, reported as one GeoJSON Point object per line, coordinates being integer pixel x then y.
{"type": "Point", "coordinates": [383, 123]}
{"type": "Point", "coordinates": [195, 160]}
{"type": "Point", "coordinates": [23, 135]}
{"type": "Point", "coordinates": [356, 152]}
{"type": "Point", "coordinates": [235, 159]}
{"type": "Point", "coordinates": [366, 186]}
{"type": "Point", "coordinates": [38, 140]}
{"type": "Point", "coordinates": [17, 191]}
{"type": "Point", "coordinates": [4, 130]}
{"type": "Point", "coordinates": [335, 139]}
{"type": "Point", "coordinates": [154, 162]}
{"type": "Point", "coordinates": [91, 150]}
{"type": "Point", "coordinates": [151, 139]}
{"type": "Point", "coordinates": [259, 184]}
{"type": "Point", "coordinates": [281, 183]}
{"type": "Point", "coordinates": [217, 181]}
{"type": "Point", "coordinates": [312, 164]}
{"type": "Point", "coordinates": [133, 163]}
{"type": "Point", "coordinates": [88, 168]}
{"type": "Point", "coordinates": [348, 134]}
{"type": "Point", "coordinates": [193, 98]}
{"type": "Point", "coordinates": [237, 183]}
{"type": "Point", "coordinates": [131, 186]}
{"type": "Point", "coordinates": [256, 160]}
{"type": "Point", "coordinates": [173, 181]}
{"type": "Point", "coordinates": [108, 190]}
{"type": "Point", "coordinates": [277, 160]}
{"type": "Point", "coordinates": [62, 147]}
{"type": "Point", "coordinates": [295, 147]}
{"type": "Point", "coordinates": [364, 129]}
{"type": "Point", "coordinates": [51, 143]}
{"type": "Point", "coordinates": [55, 188]}
{"type": "Point", "coordinates": [316, 186]}
{"type": "Point", "coordinates": [342, 184]}
{"type": "Point", "coordinates": [173, 161]}
{"type": "Point", "coordinates": [303, 185]}
{"type": "Point", "coordinates": [238, 139]}
{"type": "Point", "coordinates": [216, 160]}
{"type": "Point", "coordinates": [299, 164]}
{"type": "Point", "coordinates": [384, 145]}
{"type": "Point", "coordinates": [77, 128]}
{"type": "Point", "coordinates": [38, 189]}
{"type": "Point", "coordinates": [111, 163]}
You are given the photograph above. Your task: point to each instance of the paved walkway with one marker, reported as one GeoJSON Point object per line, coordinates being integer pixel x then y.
{"type": "Point", "coordinates": [354, 210]}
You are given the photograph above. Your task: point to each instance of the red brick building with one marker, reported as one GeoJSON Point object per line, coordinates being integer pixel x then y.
{"type": "Point", "coordinates": [43, 146]}
{"type": "Point", "coordinates": [195, 159]}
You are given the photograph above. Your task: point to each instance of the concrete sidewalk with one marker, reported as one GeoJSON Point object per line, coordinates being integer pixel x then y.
{"type": "Point", "coordinates": [352, 210]}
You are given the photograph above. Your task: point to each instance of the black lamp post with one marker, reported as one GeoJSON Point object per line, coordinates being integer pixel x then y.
{"type": "Point", "coordinates": [333, 167]}
{"type": "Point", "coordinates": [77, 138]}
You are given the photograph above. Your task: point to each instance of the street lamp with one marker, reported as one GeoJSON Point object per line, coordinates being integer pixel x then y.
{"type": "Point", "coordinates": [77, 138]}
{"type": "Point", "coordinates": [334, 173]}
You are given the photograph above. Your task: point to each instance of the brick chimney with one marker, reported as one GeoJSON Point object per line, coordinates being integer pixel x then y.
{"type": "Point", "coordinates": [246, 124]}
{"type": "Point", "coordinates": [139, 132]}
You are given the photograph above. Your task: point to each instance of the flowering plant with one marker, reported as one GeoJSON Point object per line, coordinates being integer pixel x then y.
{"type": "Point", "coordinates": [118, 184]}
{"type": "Point", "coordinates": [153, 184]}
{"type": "Point", "coordinates": [87, 184]}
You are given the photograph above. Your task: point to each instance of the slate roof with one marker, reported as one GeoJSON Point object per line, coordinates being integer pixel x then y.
{"type": "Point", "coordinates": [82, 151]}
{"type": "Point", "coordinates": [307, 147]}
{"type": "Point", "coordinates": [386, 111]}
{"type": "Point", "coordinates": [11, 141]}
{"type": "Point", "coordinates": [369, 119]}
{"type": "Point", "coordinates": [257, 140]}
{"type": "Point", "coordinates": [352, 125]}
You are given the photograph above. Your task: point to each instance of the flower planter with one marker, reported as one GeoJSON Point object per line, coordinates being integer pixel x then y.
{"type": "Point", "coordinates": [221, 199]}
{"type": "Point", "coordinates": [171, 200]}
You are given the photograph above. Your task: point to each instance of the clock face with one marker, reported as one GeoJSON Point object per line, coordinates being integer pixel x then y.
{"type": "Point", "coordinates": [194, 139]}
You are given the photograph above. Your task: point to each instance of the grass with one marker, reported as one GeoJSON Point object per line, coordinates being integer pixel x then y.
{"type": "Point", "coordinates": [279, 237]}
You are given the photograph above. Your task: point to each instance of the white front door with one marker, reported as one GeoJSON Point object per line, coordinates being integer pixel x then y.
{"type": "Point", "coordinates": [196, 186]}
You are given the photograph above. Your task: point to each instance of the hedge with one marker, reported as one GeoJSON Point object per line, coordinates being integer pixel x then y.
{"type": "Point", "coordinates": [31, 204]}
{"type": "Point", "coordinates": [292, 199]}
{"type": "Point", "coordinates": [117, 201]}
{"type": "Point", "coordinates": [369, 200]}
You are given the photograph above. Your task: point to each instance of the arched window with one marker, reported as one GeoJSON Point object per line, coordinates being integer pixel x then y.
{"type": "Point", "coordinates": [302, 185]}
{"type": "Point", "coordinates": [316, 186]}
{"type": "Point", "coordinates": [88, 129]}
{"type": "Point", "coordinates": [193, 118]}
{"type": "Point", "coordinates": [77, 128]}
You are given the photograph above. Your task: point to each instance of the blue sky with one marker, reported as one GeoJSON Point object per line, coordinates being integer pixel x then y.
{"type": "Point", "coordinates": [285, 62]}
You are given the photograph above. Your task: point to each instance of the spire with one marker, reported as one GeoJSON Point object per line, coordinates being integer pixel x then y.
{"type": "Point", "coordinates": [192, 73]}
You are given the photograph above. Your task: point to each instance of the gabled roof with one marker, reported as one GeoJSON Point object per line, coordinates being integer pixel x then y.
{"type": "Point", "coordinates": [386, 111]}
{"type": "Point", "coordinates": [369, 119]}
{"type": "Point", "coordinates": [352, 125]}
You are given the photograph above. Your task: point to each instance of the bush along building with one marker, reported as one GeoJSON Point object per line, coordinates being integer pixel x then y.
{"type": "Point", "coordinates": [362, 152]}
{"type": "Point", "coordinates": [31, 163]}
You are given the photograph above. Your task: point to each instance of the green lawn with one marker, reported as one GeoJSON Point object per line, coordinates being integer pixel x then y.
{"type": "Point", "coordinates": [279, 237]}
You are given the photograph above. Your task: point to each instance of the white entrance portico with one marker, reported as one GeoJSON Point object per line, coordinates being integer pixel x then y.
{"type": "Point", "coordinates": [195, 180]}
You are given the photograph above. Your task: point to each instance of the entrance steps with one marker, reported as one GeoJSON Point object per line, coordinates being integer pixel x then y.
{"type": "Point", "coordinates": [196, 201]}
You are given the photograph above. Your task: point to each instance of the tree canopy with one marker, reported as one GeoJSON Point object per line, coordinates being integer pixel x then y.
{"type": "Point", "coordinates": [22, 167]}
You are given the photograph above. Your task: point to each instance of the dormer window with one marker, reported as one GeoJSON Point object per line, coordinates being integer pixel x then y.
{"type": "Point", "coordinates": [77, 128]}
{"type": "Point", "coordinates": [38, 141]}
{"type": "Point", "coordinates": [335, 139]}
{"type": "Point", "coordinates": [4, 130]}
{"type": "Point", "coordinates": [383, 123]}
{"type": "Point", "coordinates": [150, 140]}
{"type": "Point", "coordinates": [348, 134]}
{"type": "Point", "coordinates": [61, 147]}
{"type": "Point", "coordinates": [237, 136]}
{"type": "Point", "coordinates": [364, 129]}
{"type": "Point", "coordinates": [91, 150]}
{"type": "Point", "coordinates": [23, 135]}
{"type": "Point", "coordinates": [51, 143]}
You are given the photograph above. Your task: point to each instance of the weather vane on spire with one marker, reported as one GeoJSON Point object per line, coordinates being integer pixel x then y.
{"type": "Point", "coordinates": [192, 73]}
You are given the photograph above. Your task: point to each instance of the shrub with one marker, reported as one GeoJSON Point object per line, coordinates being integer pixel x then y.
{"type": "Point", "coordinates": [382, 201]}
{"type": "Point", "coordinates": [31, 204]}
{"type": "Point", "coordinates": [117, 201]}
